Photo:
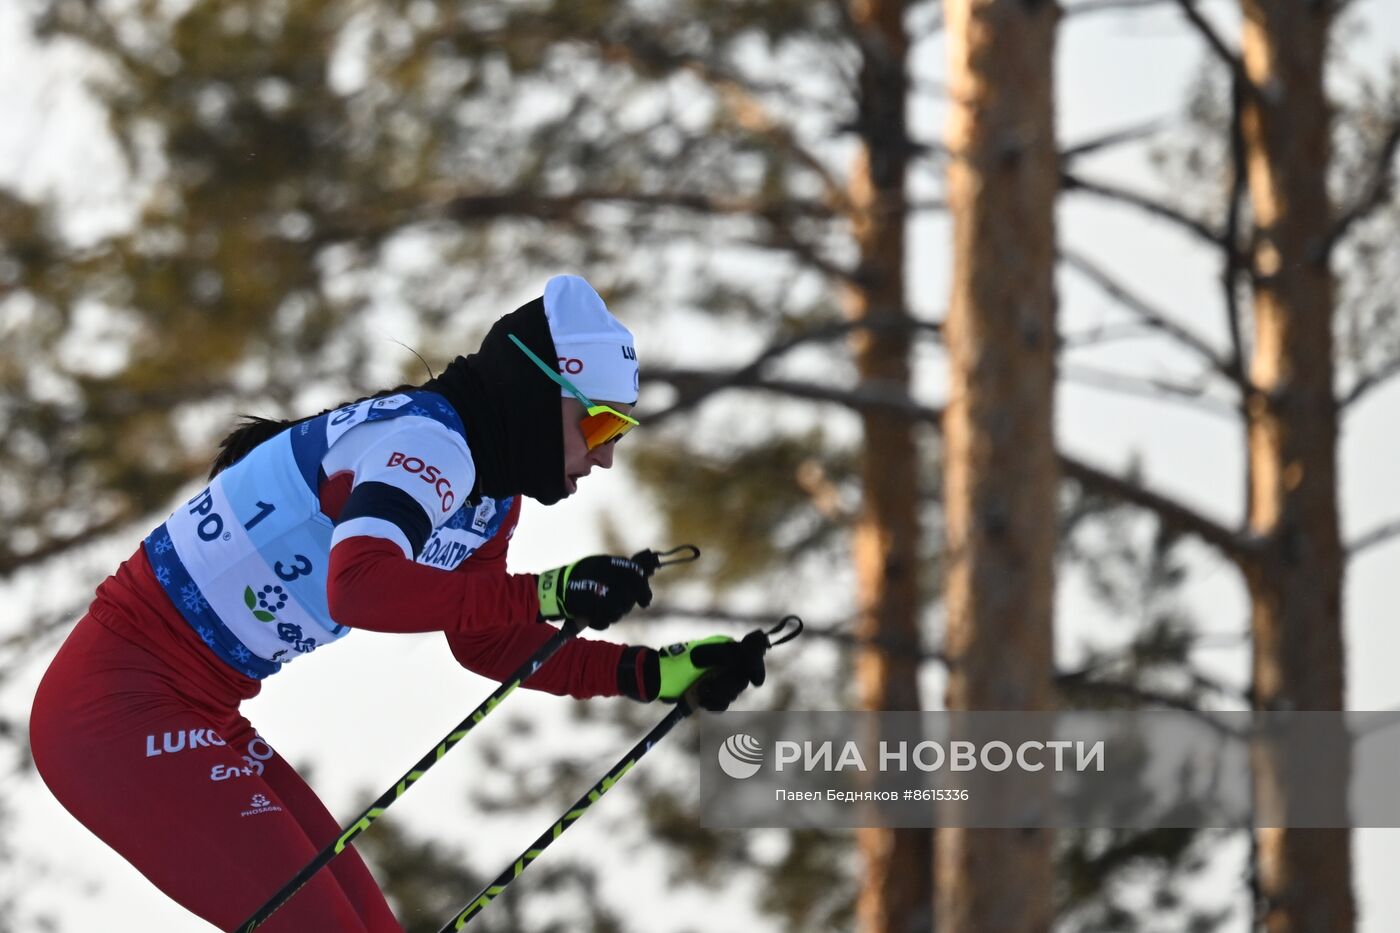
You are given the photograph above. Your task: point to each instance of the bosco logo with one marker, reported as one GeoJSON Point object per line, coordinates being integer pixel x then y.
{"type": "Point", "coordinates": [428, 474]}
{"type": "Point", "coordinates": [570, 365]}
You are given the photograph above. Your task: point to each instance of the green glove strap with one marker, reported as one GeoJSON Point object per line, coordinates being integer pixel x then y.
{"type": "Point", "coordinates": [678, 672]}
{"type": "Point", "coordinates": [549, 587]}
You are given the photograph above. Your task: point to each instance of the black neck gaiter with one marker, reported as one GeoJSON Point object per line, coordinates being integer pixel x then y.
{"type": "Point", "coordinates": [510, 409]}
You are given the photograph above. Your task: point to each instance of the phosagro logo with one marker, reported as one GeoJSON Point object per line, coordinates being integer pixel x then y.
{"type": "Point", "coordinates": [741, 756]}
{"type": "Point", "coordinates": [260, 804]}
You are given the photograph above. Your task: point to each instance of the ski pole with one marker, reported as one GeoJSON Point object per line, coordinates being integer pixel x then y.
{"type": "Point", "coordinates": [570, 628]}
{"type": "Point", "coordinates": [684, 707]}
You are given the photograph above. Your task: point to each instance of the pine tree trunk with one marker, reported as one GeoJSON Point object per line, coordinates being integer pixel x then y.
{"type": "Point", "coordinates": [897, 864]}
{"type": "Point", "coordinates": [1304, 876]}
{"type": "Point", "coordinates": [1000, 470]}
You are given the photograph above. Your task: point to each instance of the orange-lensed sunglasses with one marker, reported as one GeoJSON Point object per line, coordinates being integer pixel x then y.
{"type": "Point", "coordinates": [602, 423]}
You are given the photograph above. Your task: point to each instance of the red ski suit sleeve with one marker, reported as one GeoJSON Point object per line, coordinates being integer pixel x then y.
{"type": "Point", "coordinates": [487, 614]}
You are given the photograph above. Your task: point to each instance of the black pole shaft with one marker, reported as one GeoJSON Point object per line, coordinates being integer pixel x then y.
{"type": "Point", "coordinates": [401, 786]}
{"type": "Point", "coordinates": [516, 868]}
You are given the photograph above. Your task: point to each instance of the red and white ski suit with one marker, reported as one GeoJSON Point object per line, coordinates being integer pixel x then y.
{"type": "Point", "coordinates": [136, 726]}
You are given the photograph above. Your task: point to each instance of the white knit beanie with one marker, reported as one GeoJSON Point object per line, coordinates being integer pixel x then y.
{"type": "Point", "coordinates": [596, 352]}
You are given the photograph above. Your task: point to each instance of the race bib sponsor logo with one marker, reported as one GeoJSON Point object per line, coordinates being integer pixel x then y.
{"type": "Point", "coordinates": [293, 635]}
{"type": "Point", "coordinates": [428, 474]}
{"type": "Point", "coordinates": [210, 523]}
{"type": "Point", "coordinates": [265, 602]}
{"type": "Point", "coordinates": [439, 552]}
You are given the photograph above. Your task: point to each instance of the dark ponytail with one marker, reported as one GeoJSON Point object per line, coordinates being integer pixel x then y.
{"type": "Point", "coordinates": [252, 431]}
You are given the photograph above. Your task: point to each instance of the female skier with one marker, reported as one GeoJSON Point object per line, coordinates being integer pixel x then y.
{"type": "Point", "coordinates": [391, 514]}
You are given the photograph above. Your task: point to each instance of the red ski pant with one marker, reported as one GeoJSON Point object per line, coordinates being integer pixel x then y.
{"type": "Point", "coordinates": [179, 783]}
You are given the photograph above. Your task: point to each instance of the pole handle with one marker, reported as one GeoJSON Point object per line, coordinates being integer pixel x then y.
{"type": "Point", "coordinates": [652, 560]}
{"type": "Point", "coordinates": [788, 621]}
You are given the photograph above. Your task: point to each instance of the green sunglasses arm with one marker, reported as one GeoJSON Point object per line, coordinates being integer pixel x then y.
{"type": "Point", "coordinates": [568, 386]}
{"type": "Point", "coordinates": [548, 370]}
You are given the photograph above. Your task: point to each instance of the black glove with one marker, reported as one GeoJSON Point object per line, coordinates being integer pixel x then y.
{"type": "Point", "coordinates": [600, 589]}
{"type": "Point", "coordinates": [718, 667]}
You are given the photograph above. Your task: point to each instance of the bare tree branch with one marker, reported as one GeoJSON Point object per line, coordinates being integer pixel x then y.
{"type": "Point", "coordinates": [867, 398]}
{"type": "Point", "coordinates": [445, 203]}
{"type": "Point", "coordinates": [752, 115]}
{"type": "Point", "coordinates": [1069, 684]}
{"type": "Point", "coordinates": [1152, 316]}
{"type": "Point", "coordinates": [1156, 389]}
{"type": "Point", "coordinates": [739, 98]}
{"type": "Point", "coordinates": [476, 207]}
{"type": "Point", "coordinates": [1106, 333]}
{"type": "Point", "coordinates": [1373, 538]}
{"type": "Point", "coordinates": [1072, 182]}
{"type": "Point", "coordinates": [1116, 138]}
{"type": "Point", "coordinates": [1172, 513]}
{"type": "Point", "coordinates": [782, 238]}
{"type": "Point", "coordinates": [697, 385]}
{"type": "Point", "coordinates": [883, 322]}
{"type": "Point", "coordinates": [1376, 193]}
{"type": "Point", "coordinates": [1213, 38]}
{"type": "Point", "coordinates": [1368, 383]}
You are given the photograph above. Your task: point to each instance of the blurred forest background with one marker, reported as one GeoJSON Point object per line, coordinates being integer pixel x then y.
{"type": "Point", "coordinates": [853, 421]}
